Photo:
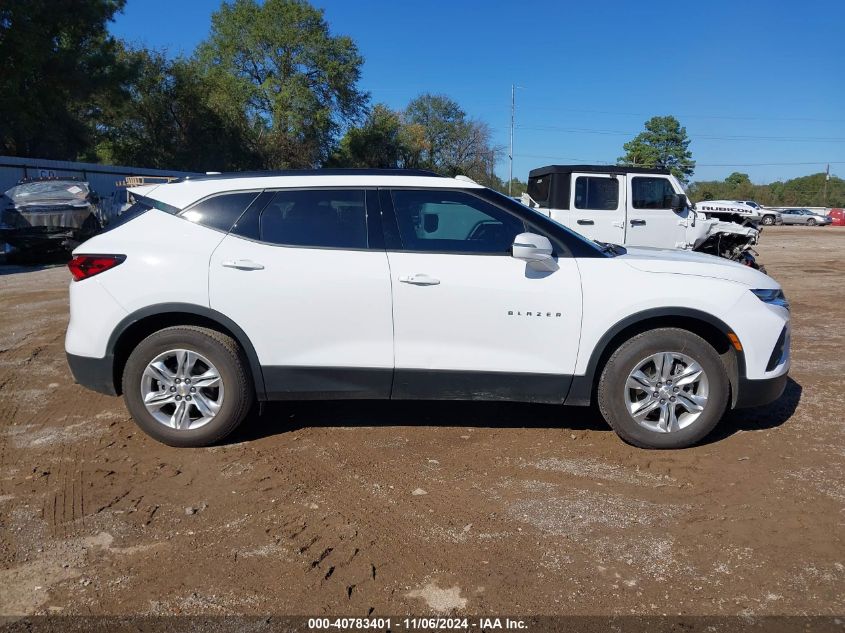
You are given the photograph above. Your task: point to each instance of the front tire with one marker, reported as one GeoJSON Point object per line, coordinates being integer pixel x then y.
{"type": "Point", "coordinates": [664, 388]}
{"type": "Point", "coordinates": [811, 222]}
{"type": "Point", "coordinates": [187, 386]}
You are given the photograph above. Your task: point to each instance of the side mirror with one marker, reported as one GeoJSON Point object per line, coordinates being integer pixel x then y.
{"type": "Point", "coordinates": [534, 249]}
{"type": "Point", "coordinates": [679, 202]}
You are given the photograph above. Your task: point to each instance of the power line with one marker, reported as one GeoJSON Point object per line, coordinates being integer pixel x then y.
{"type": "Point", "coordinates": [738, 137]}
{"type": "Point", "coordinates": [427, 88]}
{"type": "Point", "coordinates": [690, 116]}
{"type": "Point", "coordinates": [697, 164]}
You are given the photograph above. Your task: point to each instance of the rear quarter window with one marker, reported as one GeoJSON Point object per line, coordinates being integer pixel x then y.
{"type": "Point", "coordinates": [220, 212]}
{"type": "Point", "coordinates": [136, 210]}
{"type": "Point", "coordinates": [538, 189]}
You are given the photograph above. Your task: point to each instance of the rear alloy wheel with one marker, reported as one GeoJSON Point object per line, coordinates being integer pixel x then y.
{"type": "Point", "coordinates": [182, 389]}
{"type": "Point", "coordinates": [665, 388]}
{"type": "Point", "coordinates": [768, 220]}
{"type": "Point", "coordinates": [187, 386]}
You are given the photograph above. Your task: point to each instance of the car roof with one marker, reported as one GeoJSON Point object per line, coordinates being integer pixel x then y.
{"type": "Point", "coordinates": [186, 191]}
{"type": "Point", "coordinates": [343, 171]}
{"type": "Point", "coordinates": [602, 169]}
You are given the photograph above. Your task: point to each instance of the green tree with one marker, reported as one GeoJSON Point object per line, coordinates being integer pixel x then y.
{"type": "Point", "coordinates": [805, 191]}
{"type": "Point", "coordinates": [664, 143]}
{"type": "Point", "coordinates": [438, 119]}
{"type": "Point", "coordinates": [517, 187]}
{"type": "Point", "coordinates": [738, 178]}
{"type": "Point", "coordinates": [438, 135]}
{"type": "Point", "coordinates": [59, 69]}
{"type": "Point", "coordinates": [277, 66]}
{"type": "Point", "coordinates": [167, 121]}
{"type": "Point", "coordinates": [377, 143]}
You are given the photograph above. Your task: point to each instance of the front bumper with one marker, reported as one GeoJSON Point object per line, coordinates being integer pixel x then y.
{"type": "Point", "coordinates": [96, 374]}
{"type": "Point", "coordinates": [755, 393]}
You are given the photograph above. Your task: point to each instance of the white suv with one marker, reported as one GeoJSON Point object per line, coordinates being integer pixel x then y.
{"type": "Point", "coordinates": [213, 292]}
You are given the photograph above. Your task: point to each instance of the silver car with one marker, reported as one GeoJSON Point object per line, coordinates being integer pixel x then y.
{"type": "Point", "coordinates": [804, 216]}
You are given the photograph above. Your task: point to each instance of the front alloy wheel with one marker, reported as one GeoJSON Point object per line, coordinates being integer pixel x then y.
{"type": "Point", "coordinates": [666, 392]}
{"type": "Point", "coordinates": [664, 388]}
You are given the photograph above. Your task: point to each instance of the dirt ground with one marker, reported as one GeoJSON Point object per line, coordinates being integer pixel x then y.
{"type": "Point", "coordinates": [424, 508]}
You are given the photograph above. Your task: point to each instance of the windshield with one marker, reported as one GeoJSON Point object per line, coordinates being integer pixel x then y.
{"type": "Point", "coordinates": [50, 191]}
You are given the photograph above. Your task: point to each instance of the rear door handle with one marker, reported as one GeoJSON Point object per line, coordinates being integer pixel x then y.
{"type": "Point", "coordinates": [585, 222]}
{"type": "Point", "coordinates": [243, 264]}
{"type": "Point", "coordinates": [637, 222]}
{"type": "Point", "coordinates": [419, 279]}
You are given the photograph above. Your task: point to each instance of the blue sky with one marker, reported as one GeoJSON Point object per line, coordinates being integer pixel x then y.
{"type": "Point", "coordinates": [759, 85]}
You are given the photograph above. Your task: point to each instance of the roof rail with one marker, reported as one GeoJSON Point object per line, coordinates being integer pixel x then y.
{"type": "Point", "coordinates": [312, 172]}
{"type": "Point", "coordinates": [137, 181]}
{"type": "Point", "coordinates": [602, 169]}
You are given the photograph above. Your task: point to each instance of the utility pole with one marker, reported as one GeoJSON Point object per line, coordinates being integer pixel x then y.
{"type": "Point", "coordinates": [510, 154]}
{"type": "Point", "coordinates": [826, 178]}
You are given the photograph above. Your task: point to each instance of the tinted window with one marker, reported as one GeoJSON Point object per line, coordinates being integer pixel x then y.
{"type": "Point", "coordinates": [651, 193]}
{"type": "Point", "coordinates": [454, 222]}
{"type": "Point", "coordinates": [138, 208]}
{"type": "Point", "coordinates": [538, 189]}
{"type": "Point", "coordinates": [596, 193]}
{"type": "Point", "coordinates": [335, 219]}
{"type": "Point", "coordinates": [220, 212]}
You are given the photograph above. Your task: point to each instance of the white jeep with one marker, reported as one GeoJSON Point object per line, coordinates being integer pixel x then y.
{"type": "Point", "coordinates": [641, 207]}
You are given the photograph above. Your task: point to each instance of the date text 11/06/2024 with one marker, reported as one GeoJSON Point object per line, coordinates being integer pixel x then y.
{"type": "Point", "coordinates": [426, 624]}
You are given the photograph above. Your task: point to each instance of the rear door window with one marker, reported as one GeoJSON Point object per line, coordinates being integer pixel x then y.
{"type": "Point", "coordinates": [330, 218]}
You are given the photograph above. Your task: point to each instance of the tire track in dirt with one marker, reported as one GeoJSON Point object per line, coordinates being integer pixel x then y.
{"type": "Point", "coordinates": [337, 546]}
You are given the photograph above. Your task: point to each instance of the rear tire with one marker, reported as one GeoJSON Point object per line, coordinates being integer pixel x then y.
{"type": "Point", "coordinates": [155, 372]}
{"type": "Point", "coordinates": [668, 421]}
{"type": "Point", "coordinates": [768, 220]}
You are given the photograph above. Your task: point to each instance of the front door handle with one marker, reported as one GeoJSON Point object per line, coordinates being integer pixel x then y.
{"type": "Point", "coordinates": [637, 222]}
{"type": "Point", "coordinates": [585, 222]}
{"type": "Point", "coordinates": [419, 279]}
{"type": "Point", "coordinates": [243, 264]}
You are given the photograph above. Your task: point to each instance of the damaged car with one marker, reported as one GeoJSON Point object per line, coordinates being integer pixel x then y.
{"type": "Point", "coordinates": [634, 206]}
{"type": "Point", "coordinates": [48, 216]}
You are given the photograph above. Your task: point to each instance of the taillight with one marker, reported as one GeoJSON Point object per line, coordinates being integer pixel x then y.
{"type": "Point", "coordinates": [84, 266]}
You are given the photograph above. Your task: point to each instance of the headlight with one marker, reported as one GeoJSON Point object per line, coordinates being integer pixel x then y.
{"type": "Point", "coordinates": [773, 296]}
